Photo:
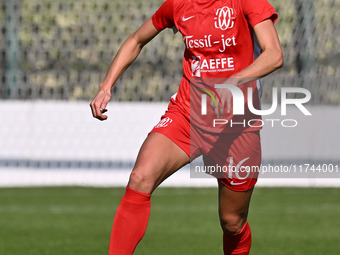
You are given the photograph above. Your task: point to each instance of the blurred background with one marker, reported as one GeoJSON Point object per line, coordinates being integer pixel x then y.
{"type": "Point", "coordinates": [54, 54]}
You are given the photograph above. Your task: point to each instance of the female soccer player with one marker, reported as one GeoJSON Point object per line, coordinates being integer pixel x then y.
{"type": "Point", "coordinates": [220, 38]}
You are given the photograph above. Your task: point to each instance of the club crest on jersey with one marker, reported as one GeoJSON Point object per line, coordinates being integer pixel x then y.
{"type": "Point", "coordinates": [224, 18]}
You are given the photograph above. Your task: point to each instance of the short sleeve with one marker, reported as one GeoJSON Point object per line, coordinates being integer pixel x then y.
{"type": "Point", "coordinates": [164, 17]}
{"type": "Point", "coordinates": [258, 11]}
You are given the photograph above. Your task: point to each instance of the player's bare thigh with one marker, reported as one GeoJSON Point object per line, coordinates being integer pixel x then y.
{"type": "Point", "coordinates": [158, 158]}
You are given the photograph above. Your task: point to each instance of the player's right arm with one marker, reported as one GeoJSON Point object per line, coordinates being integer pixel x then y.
{"type": "Point", "coordinates": [127, 53]}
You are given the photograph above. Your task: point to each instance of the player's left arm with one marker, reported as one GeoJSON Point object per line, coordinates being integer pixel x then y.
{"type": "Point", "coordinates": [271, 57]}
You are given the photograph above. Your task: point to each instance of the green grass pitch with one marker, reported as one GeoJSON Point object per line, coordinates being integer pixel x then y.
{"type": "Point", "coordinates": [74, 220]}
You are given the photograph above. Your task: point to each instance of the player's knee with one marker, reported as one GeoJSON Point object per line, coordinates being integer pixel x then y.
{"type": "Point", "coordinates": [141, 181]}
{"type": "Point", "coordinates": [232, 224]}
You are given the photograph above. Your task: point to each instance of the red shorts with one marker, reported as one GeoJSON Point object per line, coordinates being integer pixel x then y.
{"type": "Point", "coordinates": [233, 158]}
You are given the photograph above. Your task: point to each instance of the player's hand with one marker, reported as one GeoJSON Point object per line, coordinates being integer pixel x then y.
{"type": "Point", "coordinates": [222, 102]}
{"type": "Point", "coordinates": [99, 103]}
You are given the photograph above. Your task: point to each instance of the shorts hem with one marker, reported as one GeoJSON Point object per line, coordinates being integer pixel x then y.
{"type": "Point", "coordinates": [173, 140]}
{"type": "Point", "coordinates": [240, 188]}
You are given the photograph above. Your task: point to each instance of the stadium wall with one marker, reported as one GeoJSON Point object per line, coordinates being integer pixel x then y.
{"type": "Point", "coordinates": [59, 143]}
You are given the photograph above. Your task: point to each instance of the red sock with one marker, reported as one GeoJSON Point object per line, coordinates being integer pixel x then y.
{"type": "Point", "coordinates": [237, 244]}
{"type": "Point", "coordinates": [130, 222]}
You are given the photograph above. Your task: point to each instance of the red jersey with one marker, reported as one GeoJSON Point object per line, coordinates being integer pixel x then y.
{"type": "Point", "coordinates": [219, 42]}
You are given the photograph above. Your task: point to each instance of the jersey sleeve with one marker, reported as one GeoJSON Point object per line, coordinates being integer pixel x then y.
{"type": "Point", "coordinates": [258, 11]}
{"type": "Point", "coordinates": [164, 16]}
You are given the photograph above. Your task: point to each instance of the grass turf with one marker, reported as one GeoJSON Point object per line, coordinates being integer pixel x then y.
{"type": "Point", "coordinates": [74, 220]}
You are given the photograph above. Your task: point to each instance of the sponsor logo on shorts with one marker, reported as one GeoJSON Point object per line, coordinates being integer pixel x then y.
{"type": "Point", "coordinates": [237, 183]}
{"type": "Point", "coordinates": [164, 122]}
